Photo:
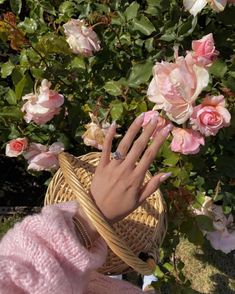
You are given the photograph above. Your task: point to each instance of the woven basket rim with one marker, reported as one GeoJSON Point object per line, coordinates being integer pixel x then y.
{"type": "Point", "coordinates": [92, 157]}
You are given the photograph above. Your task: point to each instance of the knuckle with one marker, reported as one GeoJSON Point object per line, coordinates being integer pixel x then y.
{"type": "Point", "coordinates": [123, 147]}
{"type": "Point", "coordinates": [139, 144]}
{"type": "Point", "coordinates": [149, 154]}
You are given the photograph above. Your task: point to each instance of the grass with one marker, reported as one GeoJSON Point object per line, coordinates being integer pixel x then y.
{"type": "Point", "coordinates": [209, 271]}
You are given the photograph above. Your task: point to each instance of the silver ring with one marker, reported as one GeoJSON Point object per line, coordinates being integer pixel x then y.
{"type": "Point", "coordinates": [117, 155]}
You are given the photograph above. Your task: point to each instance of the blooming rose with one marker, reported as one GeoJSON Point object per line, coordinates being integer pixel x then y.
{"type": "Point", "coordinates": [223, 238]}
{"type": "Point", "coordinates": [95, 134]}
{"type": "Point", "coordinates": [16, 147]}
{"type": "Point", "coordinates": [205, 208]}
{"type": "Point", "coordinates": [81, 39]}
{"type": "Point", "coordinates": [195, 6]}
{"type": "Point", "coordinates": [40, 157]}
{"type": "Point", "coordinates": [186, 141]}
{"type": "Point", "coordinates": [161, 121]}
{"type": "Point", "coordinates": [204, 52]}
{"type": "Point", "coordinates": [210, 116]}
{"type": "Point", "coordinates": [176, 86]}
{"type": "Point", "coordinates": [42, 107]}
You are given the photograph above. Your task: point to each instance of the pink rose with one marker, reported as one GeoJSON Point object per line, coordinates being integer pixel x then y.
{"type": "Point", "coordinates": [218, 5]}
{"type": "Point", "coordinates": [210, 116]}
{"type": "Point", "coordinates": [40, 157]}
{"type": "Point", "coordinates": [186, 141]}
{"type": "Point", "coordinates": [41, 108]}
{"type": "Point", "coordinates": [161, 121]}
{"type": "Point", "coordinates": [195, 6]}
{"type": "Point", "coordinates": [204, 52]}
{"type": "Point", "coordinates": [81, 39]}
{"type": "Point", "coordinates": [16, 147]}
{"type": "Point", "coordinates": [95, 132]}
{"type": "Point", "coordinates": [176, 86]}
{"type": "Point", "coordinates": [94, 136]}
{"type": "Point", "coordinates": [223, 238]}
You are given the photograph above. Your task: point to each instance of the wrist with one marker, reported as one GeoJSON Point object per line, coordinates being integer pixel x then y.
{"type": "Point", "coordinates": [87, 224]}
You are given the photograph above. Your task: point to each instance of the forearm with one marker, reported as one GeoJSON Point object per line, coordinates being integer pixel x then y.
{"type": "Point", "coordinates": [46, 249]}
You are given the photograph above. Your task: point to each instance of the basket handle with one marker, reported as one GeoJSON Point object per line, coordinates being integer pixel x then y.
{"type": "Point", "coordinates": [116, 244]}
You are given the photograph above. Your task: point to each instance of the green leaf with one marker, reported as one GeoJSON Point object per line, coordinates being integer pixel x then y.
{"type": "Point", "coordinates": [204, 223]}
{"type": "Point", "coordinates": [2, 1]}
{"type": "Point", "coordinates": [6, 69]}
{"type": "Point", "coordinates": [78, 62]}
{"type": "Point", "coordinates": [116, 110]}
{"type": "Point", "coordinates": [67, 8]}
{"type": "Point", "coordinates": [169, 35]}
{"type": "Point", "coordinates": [52, 43]}
{"type": "Point", "coordinates": [20, 87]}
{"type": "Point", "coordinates": [131, 11]}
{"type": "Point", "coordinates": [168, 266]}
{"type": "Point", "coordinates": [230, 83]}
{"type": "Point", "coordinates": [227, 209]}
{"type": "Point", "coordinates": [24, 86]}
{"type": "Point", "coordinates": [218, 197]}
{"type": "Point", "coordinates": [195, 236]}
{"type": "Point", "coordinates": [24, 62]}
{"type": "Point", "coordinates": [172, 159]}
{"type": "Point", "coordinates": [11, 97]}
{"type": "Point", "coordinates": [29, 25]}
{"type": "Point", "coordinates": [187, 27]}
{"type": "Point", "coordinates": [140, 73]}
{"type": "Point", "coordinates": [143, 25]}
{"type": "Point", "coordinates": [142, 107]}
{"type": "Point", "coordinates": [218, 68]}
{"type": "Point", "coordinates": [232, 74]}
{"type": "Point", "coordinates": [158, 273]}
{"type": "Point", "coordinates": [11, 112]}
{"type": "Point", "coordinates": [16, 6]}
{"type": "Point", "coordinates": [113, 88]}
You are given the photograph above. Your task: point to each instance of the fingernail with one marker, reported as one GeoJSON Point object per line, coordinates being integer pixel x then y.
{"type": "Point", "coordinates": [166, 130]}
{"type": "Point", "coordinates": [165, 176]}
{"type": "Point", "coordinates": [114, 124]}
{"type": "Point", "coordinates": [140, 117]}
{"type": "Point", "coordinates": [154, 120]}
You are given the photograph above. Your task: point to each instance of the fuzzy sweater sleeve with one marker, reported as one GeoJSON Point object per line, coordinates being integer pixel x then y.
{"type": "Point", "coordinates": [42, 255]}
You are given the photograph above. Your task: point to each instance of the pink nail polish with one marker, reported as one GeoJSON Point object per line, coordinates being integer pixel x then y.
{"type": "Point", "coordinates": [153, 120]}
{"type": "Point", "coordinates": [114, 124]}
{"type": "Point", "coordinates": [165, 176]}
{"type": "Point", "coordinates": [140, 118]}
{"type": "Point", "coordinates": [166, 130]}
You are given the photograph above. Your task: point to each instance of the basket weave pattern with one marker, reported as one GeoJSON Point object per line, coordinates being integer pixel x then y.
{"type": "Point", "coordinates": [142, 231]}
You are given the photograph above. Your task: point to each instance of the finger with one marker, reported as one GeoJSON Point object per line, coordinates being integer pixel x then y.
{"type": "Point", "coordinates": [150, 187]}
{"type": "Point", "coordinates": [151, 152]}
{"type": "Point", "coordinates": [130, 135]}
{"type": "Point", "coordinates": [107, 146]}
{"type": "Point", "coordinates": [141, 143]}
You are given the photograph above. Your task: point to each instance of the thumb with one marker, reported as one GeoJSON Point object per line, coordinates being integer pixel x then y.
{"type": "Point", "coordinates": [153, 185]}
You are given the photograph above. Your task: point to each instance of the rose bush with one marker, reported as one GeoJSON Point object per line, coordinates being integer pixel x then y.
{"type": "Point", "coordinates": [70, 68]}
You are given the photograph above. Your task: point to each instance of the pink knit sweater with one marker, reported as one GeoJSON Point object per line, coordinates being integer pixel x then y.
{"type": "Point", "coordinates": [42, 255]}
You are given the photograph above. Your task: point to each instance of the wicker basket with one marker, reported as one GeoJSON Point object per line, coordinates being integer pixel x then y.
{"type": "Point", "coordinates": [141, 232]}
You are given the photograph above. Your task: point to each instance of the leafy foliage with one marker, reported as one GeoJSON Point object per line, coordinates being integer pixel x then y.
{"type": "Point", "coordinates": [113, 83]}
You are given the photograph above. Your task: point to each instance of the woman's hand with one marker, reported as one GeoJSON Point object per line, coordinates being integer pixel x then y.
{"type": "Point", "coordinates": [117, 187]}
